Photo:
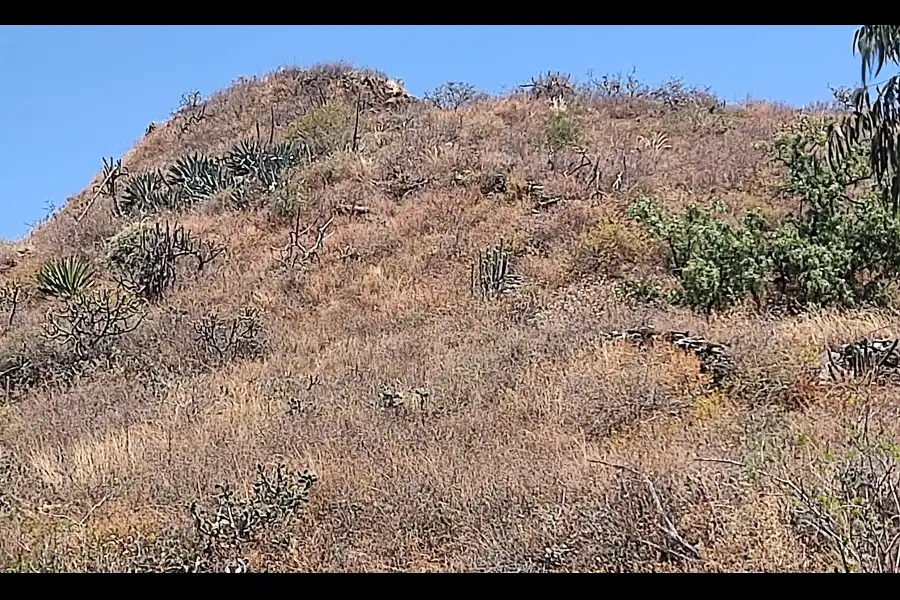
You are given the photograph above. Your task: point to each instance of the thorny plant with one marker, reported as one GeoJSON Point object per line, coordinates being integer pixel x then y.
{"type": "Point", "coordinates": [263, 163]}
{"type": "Point", "coordinates": [113, 174]}
{"type": "Point", "coordinates": [401, 184]}
{"type": "Point", "coordinates": [295, 254]}
{"type": "Point", "coordinates": [196, 177]}
{"type": "Point", "coordinates": [230, 338]}
{"type": "Point", "coordinates": [615, 86]}
{"type": "Point", "coordinates": [65, 277]}
{"type": "Point", "coordinates": [17, 372]}
{"type": "Point", "coordinates": [10, 297]}
{"type": "Point", "coordinates": [191, 111]}
{"type": "Point", "coordinates": [674, 95]}
{"type": "Point", "coordinates": [550, 85]}
{"type": "Point", "coordinates": [587, 170]}
{"type": "Point", "coordinates": [453, 95]}
{"type": "Point", "coordinates": [170, 554]}
{"type": "Point", "coordinates": [866, 360]}
{"type": "Point", "coordinates": [493, 274]}
{"type": "Point", "coordinates": [89, 321]}
{"type": "Point", "coordinates": [144, 259]}
{"type": "Point", "coordinates": [848, 506]}
{"type": "Point", "coordinates": [276, 497]}
{"type": "Point", "coordinates": [298, 404]}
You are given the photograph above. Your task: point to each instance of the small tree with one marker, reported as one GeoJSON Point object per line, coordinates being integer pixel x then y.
{"type": "Point", "coordinates": [874, 124]}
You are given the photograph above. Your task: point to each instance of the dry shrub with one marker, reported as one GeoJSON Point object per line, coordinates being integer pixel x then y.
{"type": "Point", "coordinates": [610, 248]}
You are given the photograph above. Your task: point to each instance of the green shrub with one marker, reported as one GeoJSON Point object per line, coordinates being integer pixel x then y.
{"type": "Point", "coordinates": [842, 248]}
{"type": "Point", "coordinates": [325, 129]}
{"type": "Point", "coordinates": [717, 262]}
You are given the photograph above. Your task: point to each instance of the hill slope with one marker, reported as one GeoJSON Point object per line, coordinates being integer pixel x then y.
{"type": "Point", "coordinates": [335, 326]}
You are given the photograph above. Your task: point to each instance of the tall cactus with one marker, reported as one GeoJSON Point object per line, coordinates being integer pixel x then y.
{"type": "Point", "coordinates": [493, 274]}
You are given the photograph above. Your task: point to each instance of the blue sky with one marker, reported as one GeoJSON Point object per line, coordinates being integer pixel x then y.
{"type": "Point", "coordinates": [74, 94]}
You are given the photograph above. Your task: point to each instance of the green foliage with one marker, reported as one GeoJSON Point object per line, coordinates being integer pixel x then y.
{"type": "Point", "coordinates": [325, 129]}
{"type": "Point", "coordinates": [195, 177]}
{"type": "Point", "coordinates": [562, 127]}
{"type": "Point", "coordinates": [64, 278]}
{"type": "Point", "coordinates": [874, 125]}
{"type": "Point", "coordinates": [842, 248]}
{"type": "Point", "coordinates": [143, 258]}
{"type": "Point", "coordinates": [254, 162]}
{"type": "Point", "coordinates": [146, 192]}
{"type": "Point", "coordinates": [718, 263]}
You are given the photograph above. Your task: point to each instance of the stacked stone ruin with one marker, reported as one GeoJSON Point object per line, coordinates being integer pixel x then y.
{"type": "Point", "coordinates": [715, 358]}
{"type": "Point", "coordinates": [873, 359]}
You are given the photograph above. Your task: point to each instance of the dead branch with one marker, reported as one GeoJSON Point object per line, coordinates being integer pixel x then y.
{"type": "Point", "coordinates": [356, 123]}
{"type": "Point", "coordinates": [667, 527]}
{"type": "Point", "coordinates": [295, 253]}
{"type": "Point", "coordinates": [9, 296]}
{"type": "Point", "coordinates": [111, 174]}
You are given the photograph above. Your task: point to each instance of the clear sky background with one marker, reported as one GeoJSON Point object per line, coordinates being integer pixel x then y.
{"type": "Point", "coordinates": [74, 94]}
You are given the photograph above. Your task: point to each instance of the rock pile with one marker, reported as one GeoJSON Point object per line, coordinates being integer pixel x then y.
{"type": "Point", "coordinates": [714, 358]}
{"type": "Point", "coordinates": [876, 359]}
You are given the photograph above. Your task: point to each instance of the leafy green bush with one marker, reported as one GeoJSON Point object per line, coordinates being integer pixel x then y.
{"type": "Point", "coordinates": [845, 246]}
{"type": "Point", "coordinates": [717, 262]}
{"type": "Point", "coordinates": [842, 248]}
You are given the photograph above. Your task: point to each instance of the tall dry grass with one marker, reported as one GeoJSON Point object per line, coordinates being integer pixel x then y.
{"type": "Point", "coordinates": [522, 441]}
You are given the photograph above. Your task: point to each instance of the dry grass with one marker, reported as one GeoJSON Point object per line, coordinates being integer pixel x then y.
{"type": "Point", "coordinates": [506, 464]}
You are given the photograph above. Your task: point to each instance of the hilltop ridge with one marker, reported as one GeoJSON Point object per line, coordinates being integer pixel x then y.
{"type": "Point", "coordinates": [416, 334]}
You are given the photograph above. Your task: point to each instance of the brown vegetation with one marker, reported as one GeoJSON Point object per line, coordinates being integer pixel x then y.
{"type": "Point", "coordinates": [337, 331]}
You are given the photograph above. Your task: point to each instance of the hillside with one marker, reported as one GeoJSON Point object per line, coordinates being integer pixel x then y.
{"type": "Point", "coordinates": [300, 286]}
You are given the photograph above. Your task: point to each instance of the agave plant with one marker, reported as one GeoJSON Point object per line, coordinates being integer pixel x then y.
{"type": "Point", "coordinates": [262, 163]}
{"type": "Point", "coordinates": [198, 176]}
{"type": "Point", "coordinates": [64, 278]}
{"type": "Point", "coordinates": [146, 192]}
{"type": "Point", "coordinates": [244, 158]}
